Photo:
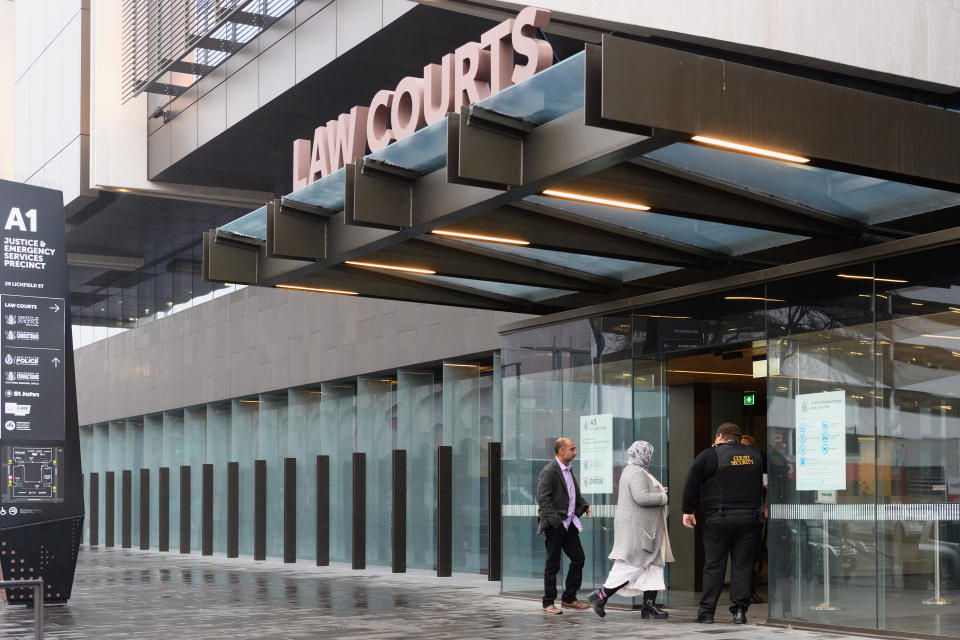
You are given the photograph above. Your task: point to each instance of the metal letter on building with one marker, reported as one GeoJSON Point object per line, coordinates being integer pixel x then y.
{"type": "Point", "coordinates": [41, 505]}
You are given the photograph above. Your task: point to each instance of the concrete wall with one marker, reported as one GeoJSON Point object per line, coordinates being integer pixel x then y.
{"type": "Point", "coordinates": [260, 339]}
{"type": "Point", "coordinates": [7, 78]}
{"type": "Point", "coordinates": [51, 98]}
{"type": "Point", "coordinates": [299, 44]}
{"type": "Point", "coordinates": [118, 157]}
{"type": "Point", "coordinates": [910, 38]}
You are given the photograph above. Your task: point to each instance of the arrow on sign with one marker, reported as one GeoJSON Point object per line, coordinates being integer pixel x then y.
{"type": "Point", "coordinates": [55, 362]}
{"type": "Point", "coordinates": [55, 307]}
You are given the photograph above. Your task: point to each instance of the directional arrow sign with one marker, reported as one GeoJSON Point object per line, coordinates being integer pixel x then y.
{"type": "Point", "coordinates": [55, 307]}
{"type": "Point", "coordinates": [55, 362]}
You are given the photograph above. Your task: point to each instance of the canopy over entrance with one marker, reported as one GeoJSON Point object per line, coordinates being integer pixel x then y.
{"type": "Point", "coordinates": [624, 170]}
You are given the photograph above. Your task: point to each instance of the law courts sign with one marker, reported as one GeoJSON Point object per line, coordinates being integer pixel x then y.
{"type": "Point", "coordinates": [469, 74]}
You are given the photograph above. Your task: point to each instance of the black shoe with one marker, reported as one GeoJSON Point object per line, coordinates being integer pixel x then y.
{"type": "Point", "coordinates": [739, 616]}
{"type": "Point", "coordinates": [650, 610]}
{"type": "Point", "coordinates": [755, 598]}
{"type": "Point", "coordinates": [598, 604]}
{"type": "Point", "coordinates": [704, 618]}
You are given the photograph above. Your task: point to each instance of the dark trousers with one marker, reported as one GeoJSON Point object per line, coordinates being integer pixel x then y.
{"type": "Point", "coordinates": [758, 551]}
{"type": "Point", "coordinates": [732, 534]}
{"type": "Point", "coordinates": [568, 540]}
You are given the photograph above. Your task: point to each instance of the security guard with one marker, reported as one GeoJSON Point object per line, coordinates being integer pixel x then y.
{"type": "Point", "coordinates": [729, 479]}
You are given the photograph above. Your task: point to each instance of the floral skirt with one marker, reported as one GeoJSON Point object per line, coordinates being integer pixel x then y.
{"type": "Point", "coordinates": [638, 579]}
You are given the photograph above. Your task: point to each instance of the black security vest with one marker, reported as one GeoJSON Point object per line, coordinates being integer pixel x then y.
{"type": "Point", "coordinates": [738, 483]}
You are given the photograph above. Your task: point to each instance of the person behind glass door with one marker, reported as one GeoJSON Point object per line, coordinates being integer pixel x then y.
{"type": "Point", "coordinates": [760, 548]}
{"type": "Point", "coordinates": [641, 545]}
{"type": "Point", "coordinates": [560, 503]}
{"type": "Point", "coordinates": [729, 480]}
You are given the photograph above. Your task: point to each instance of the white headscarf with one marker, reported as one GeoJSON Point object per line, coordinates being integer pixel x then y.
{"type": "Point", "coordinates": [640, 453]}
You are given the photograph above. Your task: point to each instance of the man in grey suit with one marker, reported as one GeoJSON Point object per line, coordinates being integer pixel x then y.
{"type": "Point", "coordinates": [561, 504]}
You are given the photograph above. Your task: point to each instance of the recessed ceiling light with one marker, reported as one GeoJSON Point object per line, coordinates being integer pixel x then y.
{"type": "Point", "coordinates": [933, 335]}
{"type": "Point", "coordinates": [566, 195]}
{"type": "Point", "coordinates": [374, 265]}
{"type": "Point", "coordinates": [316, 289]}
{"type": "Point", "coordinates": [481, 238]}
{"type": "Point", "coordinates": [745, 148]}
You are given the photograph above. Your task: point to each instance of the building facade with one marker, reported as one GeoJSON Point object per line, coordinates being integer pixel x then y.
{"type": "Point", "coordinates": [604, 254]}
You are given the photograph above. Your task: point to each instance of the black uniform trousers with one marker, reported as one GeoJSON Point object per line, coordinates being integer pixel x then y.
{"type": "Point", "coordinates": [734, 533]}
{"type": "Point", "coordinates": [567, 540]}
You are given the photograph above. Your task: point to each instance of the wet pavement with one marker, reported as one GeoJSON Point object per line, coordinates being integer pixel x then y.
{"type": "Point", "coordinates": [123, 594]}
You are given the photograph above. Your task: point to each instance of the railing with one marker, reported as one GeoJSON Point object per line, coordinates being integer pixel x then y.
{"type": "Point", "coordinates": [37, 585]}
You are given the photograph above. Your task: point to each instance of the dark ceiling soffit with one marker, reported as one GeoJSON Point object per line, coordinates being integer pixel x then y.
{"type": "Point", "coordinates": [890, 249]}
{"type": "Point", "coordinates": [644, 86]}
{"type": "Point", "coordinates": [797, 218]}
{"type": "Point", "coordinates": [395, 286]}
{"type": "Point", "coordinates": [561, 150]}
{"type": "Point", "coordinates": [649, 248]}
{"type": "Point", "coordinates": [677, 193]}
{"type": "Point", "coordinates": [451, 258]}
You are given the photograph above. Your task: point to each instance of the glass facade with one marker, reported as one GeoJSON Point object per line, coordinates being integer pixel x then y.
{"type": "Point", "coordinates": [864, 535]}
{"type": "Point", "coordinates": [453, 403]}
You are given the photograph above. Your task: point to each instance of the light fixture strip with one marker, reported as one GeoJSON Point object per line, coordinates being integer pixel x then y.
{"type": "Point", "coordinates": [933, 335]}
{"type": "Point", "coordinates": [480, 238]}
{"type": "Point", "coordinates": [745, 148]}
{"type": "Point", "coordinates": [374, 265]}
{"type": "Point", "coordinates": [850, 276]}
{"type": "Point", "coordinates": [296, 287]}
{"type": "Point", "coordinates": [579, 197]}
{"type": "Point", "coordinates": [712, 373]}
{"type": "Point", "coordinates": [741, 298]}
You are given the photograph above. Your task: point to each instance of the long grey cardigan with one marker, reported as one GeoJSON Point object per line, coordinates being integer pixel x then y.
{"type": "Point", "coordinates": [639, 515]}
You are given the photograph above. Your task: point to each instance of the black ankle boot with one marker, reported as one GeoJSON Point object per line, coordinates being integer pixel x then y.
{"type": "Point", "coordinates": [649, 610]}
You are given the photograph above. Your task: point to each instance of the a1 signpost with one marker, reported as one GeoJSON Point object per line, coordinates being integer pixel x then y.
{"type": "Point", "coordinates": [41, 502]}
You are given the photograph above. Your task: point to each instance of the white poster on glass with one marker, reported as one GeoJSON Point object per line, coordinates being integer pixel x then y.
{"type": "Point", "coordinates": [596, 453]}
{"type": "Point", "coordinates": [821, 441]}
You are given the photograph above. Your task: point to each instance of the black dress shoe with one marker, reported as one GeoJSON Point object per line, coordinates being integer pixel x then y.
{"type": "Point", "coordinates": [704, 618]}
{"type": "Point", "coordinates": [739, 616]}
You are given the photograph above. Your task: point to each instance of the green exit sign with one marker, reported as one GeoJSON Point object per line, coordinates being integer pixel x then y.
{"type": "Point", "coordinates": [749, 398]}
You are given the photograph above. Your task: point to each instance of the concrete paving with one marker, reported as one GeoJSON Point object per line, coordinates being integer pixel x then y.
{"type": "Point", "coordinates": [124, 594]}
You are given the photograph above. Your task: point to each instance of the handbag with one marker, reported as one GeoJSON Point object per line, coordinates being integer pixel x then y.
{"type": "Point", "coordinates": [648, 542]}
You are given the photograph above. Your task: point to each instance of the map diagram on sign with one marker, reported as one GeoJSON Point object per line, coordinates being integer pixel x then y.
{"type": "Point", "coordinates": [33, 474]}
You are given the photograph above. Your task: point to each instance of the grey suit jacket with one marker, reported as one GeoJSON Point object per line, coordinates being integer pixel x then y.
{"type": "Point", "coordinates": [553, 499]}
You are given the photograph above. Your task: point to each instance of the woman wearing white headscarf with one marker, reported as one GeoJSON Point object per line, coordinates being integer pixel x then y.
{"type": "Point", "coordinates": [641, 546]}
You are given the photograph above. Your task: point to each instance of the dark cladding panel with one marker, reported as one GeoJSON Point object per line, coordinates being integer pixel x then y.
{"type": "Point", "coordinates": [163, 507]}
{"type": "Point", "coordinates": [647, 87]}
{"type": "Point", "coordinates": [399, 511]}
{"type": "Point", "coordinates": [259, 509]}
{"type": "Point", "coordinates": [289, 509]}
{"type": "Point", "coordinates": [228, 262]}
{"type": "Point", "coordinates": [233, 509]}
{"type": "Point", "coordinates": [323, 511]}
{"type": "Point", "coordinates": [294, 234]}
{"type": "Point", "coordinates": [206, 511]}
{"type": "Point", "coordinates": [444, 511]}
{"type": "Point", "coordinates": [144, 509]}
